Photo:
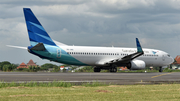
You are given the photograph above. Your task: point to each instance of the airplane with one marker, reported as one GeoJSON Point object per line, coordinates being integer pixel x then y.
{"type": "Point", "coordinates": [108, 58]}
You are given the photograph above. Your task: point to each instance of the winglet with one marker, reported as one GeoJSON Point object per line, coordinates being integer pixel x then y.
{"type": "Point", "coordinates": [139, 48]}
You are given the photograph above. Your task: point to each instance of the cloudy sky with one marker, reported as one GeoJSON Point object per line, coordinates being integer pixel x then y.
{"type": "Point", "coordinates": [92, 23]}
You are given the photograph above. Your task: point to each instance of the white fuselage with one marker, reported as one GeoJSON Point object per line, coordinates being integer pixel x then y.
{"type": "Point", "coordinates": [98, 56]}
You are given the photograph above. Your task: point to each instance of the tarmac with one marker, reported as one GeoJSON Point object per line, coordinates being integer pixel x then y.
{"type": "Point", "coordinates": [78, 78]}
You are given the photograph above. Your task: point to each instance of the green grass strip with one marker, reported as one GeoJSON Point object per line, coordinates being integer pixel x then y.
{"type": "Point", "coordinates": [160, 92]}
{"type": "Point", "coordinates": [49, 84]}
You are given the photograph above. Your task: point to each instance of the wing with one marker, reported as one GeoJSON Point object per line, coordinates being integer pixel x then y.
{"type": "Point", "coordinates": [130, 57]}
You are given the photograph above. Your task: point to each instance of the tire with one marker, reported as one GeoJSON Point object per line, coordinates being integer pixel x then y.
{"type": "Point", "coordinates": [97, 69]}
{"type": "Point", "coordinates": [113, 69]}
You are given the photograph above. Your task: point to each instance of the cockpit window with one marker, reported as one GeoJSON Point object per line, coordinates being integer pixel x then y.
{"type": "Point", "coordinates": [168, 55]}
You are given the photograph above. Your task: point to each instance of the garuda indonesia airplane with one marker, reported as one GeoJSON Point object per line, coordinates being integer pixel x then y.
{"type": "Point", "coordinates": [99, 57]}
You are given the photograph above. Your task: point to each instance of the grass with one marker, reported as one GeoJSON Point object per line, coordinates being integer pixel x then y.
{"type": "Point", "coordinates": [49, 84]}
{"type": "Point", "coordinates": [163, 92]}
{"type": "Point", "coordinates": [147, 71]}
{"type": "Point", "coordinates": [130, 71]}
{"type": "Point", "coordinates": [137, 71]}
{"type": "Point", "coordinates": [94, 84]}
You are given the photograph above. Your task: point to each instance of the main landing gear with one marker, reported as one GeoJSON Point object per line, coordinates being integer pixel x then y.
{"type": "Point", "coordinates": [113, 69]}
{"type": "Point", "coordinates": [97, 69]}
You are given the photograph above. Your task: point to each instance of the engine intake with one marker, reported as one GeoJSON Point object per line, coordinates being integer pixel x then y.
{"type": "Point", "coordinates": [136, 65]}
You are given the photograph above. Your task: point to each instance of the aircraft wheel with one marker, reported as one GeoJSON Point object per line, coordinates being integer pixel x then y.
{"type": "Point", "coordinates": [97, 69]}
{"type": "Point", "coordinates": [113, 69]}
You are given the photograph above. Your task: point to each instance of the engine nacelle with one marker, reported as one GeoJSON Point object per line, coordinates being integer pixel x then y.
{"type": "Point", "coordinates": [136, 65]}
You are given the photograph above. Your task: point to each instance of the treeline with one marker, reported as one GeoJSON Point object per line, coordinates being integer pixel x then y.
{"type": "Point", "coordinates": [44, 67]}
{"type": "Point", "coordinates": [7, 66]}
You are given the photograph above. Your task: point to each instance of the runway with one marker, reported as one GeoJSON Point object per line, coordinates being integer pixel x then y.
{"type": "Point", "coordinates": [113, 78]}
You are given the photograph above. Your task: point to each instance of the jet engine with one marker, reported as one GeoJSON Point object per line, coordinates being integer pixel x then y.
{"type": "Point", "coordinates": [136, 65]}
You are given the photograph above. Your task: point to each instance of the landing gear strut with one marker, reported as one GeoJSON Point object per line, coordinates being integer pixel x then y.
{"type": "Point", "coordinates": [160, 69]}
{"type": "Point", "coordinates": [113, 68]}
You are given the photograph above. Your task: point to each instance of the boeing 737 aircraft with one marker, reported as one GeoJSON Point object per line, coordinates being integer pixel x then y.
{"type": "Point", "coordinates": [99, 57]}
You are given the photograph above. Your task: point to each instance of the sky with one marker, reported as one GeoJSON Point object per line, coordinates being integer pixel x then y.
{"type": "Point", "coordinates": [91, 23]}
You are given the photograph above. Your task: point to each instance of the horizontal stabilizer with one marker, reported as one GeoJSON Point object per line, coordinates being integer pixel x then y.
{"type": "Point", "coordinates": [17, 47]}
{"type": "Point", "coordinates": [39, 47]}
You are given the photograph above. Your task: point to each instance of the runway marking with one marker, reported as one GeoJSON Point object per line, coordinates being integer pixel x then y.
{"type": "Point", "coordinates": [160, 75]}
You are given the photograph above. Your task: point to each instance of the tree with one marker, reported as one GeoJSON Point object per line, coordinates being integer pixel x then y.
{"type": "Point", "coordinates": [56, 68]}
{"type": "Point", "coordinates": [47, 66]}
{"type": "Point", "coordinates": [4, 63]}
{"type": "Point", "coordinates": [34, 68]}
{"type": "Point", "coordinates": [14, 66]}
{"type": "Point", "coordinates": [7, 67]}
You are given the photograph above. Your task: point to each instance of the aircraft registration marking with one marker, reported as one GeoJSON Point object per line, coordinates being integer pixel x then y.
{"type": "Point", "coordinates": [160, 75]}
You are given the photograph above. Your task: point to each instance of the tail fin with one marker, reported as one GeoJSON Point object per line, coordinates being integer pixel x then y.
{"type": "Point", "coordinates": [37, 33]}
{"type": "Point", "coordinates": [139, 48]}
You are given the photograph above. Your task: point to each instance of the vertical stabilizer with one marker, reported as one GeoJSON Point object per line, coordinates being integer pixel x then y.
{"type": "Point", "coordinates": [37, 33]}
{"type": "Point", "coordinates": [139, 48]}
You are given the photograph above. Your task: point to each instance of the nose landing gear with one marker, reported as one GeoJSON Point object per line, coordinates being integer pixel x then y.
{"type": "Point", "coordinates": [160, 69]}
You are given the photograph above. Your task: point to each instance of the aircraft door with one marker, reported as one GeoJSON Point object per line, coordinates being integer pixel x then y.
{"type": "Point", "coordinates": [58, 53]}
